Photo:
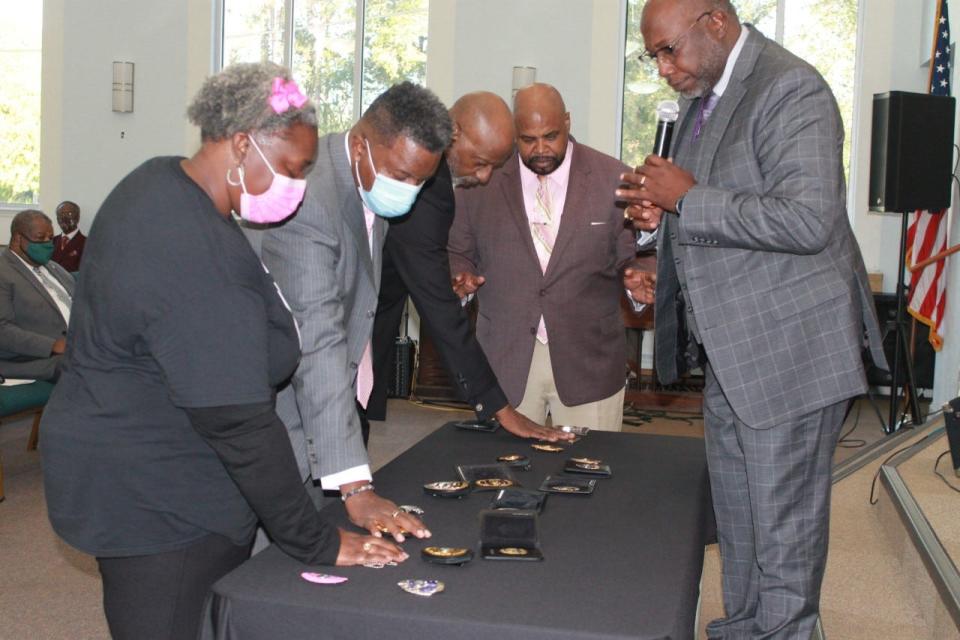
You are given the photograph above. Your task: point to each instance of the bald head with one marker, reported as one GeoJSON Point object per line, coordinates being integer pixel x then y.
{"type": "Point", "coordinates": [482, 137]}
{"type": "Point", "coordinates": [543, 127]}
{"type": "Point", "coordinates": [690, 41]}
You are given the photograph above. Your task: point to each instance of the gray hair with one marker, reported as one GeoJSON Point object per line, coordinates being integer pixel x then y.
{"type": "Point", "coordinates": [22, 222]}
{"type": "Point", "coordinates": [237, 100]}
{"type": "Point", "coordinates": [412, 111]}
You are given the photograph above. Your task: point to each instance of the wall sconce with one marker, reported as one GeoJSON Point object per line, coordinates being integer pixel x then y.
{"type": "Point", "coordinates": [123, 87]}
{"type": "Point", "coordinates": [523, 76]}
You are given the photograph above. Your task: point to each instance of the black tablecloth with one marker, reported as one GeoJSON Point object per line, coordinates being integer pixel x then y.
{"type": "Point", "coordinates": [622, 563]}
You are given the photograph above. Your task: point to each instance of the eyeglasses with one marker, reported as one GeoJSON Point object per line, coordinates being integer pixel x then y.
{"type": "Point", "coordinates": [668, 52]}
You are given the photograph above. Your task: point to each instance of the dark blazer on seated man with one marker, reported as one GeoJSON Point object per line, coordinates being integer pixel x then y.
{"type": "Point", "coordinates": [31, 321]}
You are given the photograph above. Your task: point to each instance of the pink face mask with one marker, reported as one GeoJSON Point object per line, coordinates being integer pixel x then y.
{"type": "Point", "coordinates": [276, 203]}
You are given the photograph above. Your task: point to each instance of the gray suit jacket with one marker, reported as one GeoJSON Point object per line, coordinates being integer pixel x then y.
{"type": "Point", "coordinates": [578, 296]}
{"type": "Point", "coordinates": [321, 260]}
{"type": "Point", "coordinates": [29, 319]}
{"type": "Point", "coordinates": [774, 275]}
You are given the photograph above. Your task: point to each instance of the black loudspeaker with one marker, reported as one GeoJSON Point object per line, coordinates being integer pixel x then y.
{"type": "Point", "coordinates": [924, 357]}
{"type": "Point", "coordinates": [401, 373]}
{"type": "Point", "coordinates": [951, 419]}
{"type": "Point", "coordinates": [911, 152]}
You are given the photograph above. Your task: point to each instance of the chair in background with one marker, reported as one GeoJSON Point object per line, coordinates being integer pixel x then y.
{"type": "Point", "coordinates": [21, 401]}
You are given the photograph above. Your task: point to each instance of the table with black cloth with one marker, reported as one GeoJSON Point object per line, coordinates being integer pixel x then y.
{"type": "Point", "coordinates": [624, 562]}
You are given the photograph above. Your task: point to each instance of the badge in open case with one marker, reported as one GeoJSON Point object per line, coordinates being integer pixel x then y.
{"type": "Point", "coordinates": [587, 467]}
{"type": "Point", "coordinates": [518, 498]}
{"type": "Point", "coordinates": [569, 485]}
{"type": "Point", "coordinates": [509, 534]}
{"type": "Point", "coordinates": [487, 476]}
{"type": "Point", "coordinates": [515, 461]}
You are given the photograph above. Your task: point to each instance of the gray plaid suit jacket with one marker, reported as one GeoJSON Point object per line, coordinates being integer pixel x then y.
{"type": "Point", "coordinates": [774, 275]}
{"type": "Point", "coordinates": [322, 262]}
{"type": "Point", "coordinates": [30, 321]}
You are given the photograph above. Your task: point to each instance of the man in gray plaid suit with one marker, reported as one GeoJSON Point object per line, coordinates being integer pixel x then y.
{"type": "Point", "coordinates": [760, 281]}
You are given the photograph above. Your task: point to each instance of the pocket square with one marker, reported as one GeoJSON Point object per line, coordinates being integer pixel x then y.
{"type": "Point", "coordinates": [598, 222]}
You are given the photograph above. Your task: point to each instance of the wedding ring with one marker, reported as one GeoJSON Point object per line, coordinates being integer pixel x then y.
{"type": "Point", "coordinates": [367, 547]}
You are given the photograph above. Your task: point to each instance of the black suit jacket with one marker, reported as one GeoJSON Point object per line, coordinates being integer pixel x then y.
{"type": "Point", "coordinates": [415, 262]}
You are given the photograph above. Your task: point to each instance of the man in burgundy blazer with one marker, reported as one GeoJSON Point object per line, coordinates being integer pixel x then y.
{"type": "Point", "coordinates": [68, 246]}
{"type": "Point", "coordinates": [546, 267]}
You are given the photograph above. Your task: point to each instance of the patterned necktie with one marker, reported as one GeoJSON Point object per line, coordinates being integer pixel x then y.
{"type": "Point", "coordinates": [58, 291]}
{"type": "Point", "coordinates": [545, 235]}
{"type": "Point", "coordinates": [706, 108]}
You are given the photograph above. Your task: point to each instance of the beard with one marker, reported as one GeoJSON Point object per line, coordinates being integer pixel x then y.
{"type": "Point", "coordinates": [465, 182]}
{"type": "Point", "coordinates": [543, 165]}
{"type": "Point", "coordinates": [714, 61]}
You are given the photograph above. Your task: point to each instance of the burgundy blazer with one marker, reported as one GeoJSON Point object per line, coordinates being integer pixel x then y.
{"type": "Point", "coordinates": [69, 256]}
{"type": "Point", "coordinates": [578, 296]}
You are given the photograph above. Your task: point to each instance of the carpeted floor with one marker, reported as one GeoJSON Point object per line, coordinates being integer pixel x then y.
{"type": "Point", "coordinates": [49, 591]}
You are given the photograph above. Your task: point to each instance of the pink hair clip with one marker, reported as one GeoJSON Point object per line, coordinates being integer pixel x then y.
{"type": "Point", "coordinates": [285, 95]}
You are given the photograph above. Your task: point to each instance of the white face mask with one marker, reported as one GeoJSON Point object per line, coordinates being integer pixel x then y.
{"type": "Point", "coordinates": [388, 197]}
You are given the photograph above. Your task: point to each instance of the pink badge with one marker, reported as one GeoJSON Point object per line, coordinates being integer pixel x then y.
{"type": "Point", "coordinates": [322, 578]}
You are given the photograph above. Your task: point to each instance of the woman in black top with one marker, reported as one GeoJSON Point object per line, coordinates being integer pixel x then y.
{"type": "Point", "coordinates": [161, 448]}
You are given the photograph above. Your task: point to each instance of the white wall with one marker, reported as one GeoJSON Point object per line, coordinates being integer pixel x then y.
{"type": "Point", "coordinates": [86, 148]}
{"type": "Point", "coordinates": [474, 44]}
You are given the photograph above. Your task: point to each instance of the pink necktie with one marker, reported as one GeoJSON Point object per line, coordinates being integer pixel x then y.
{"type": "Point", "coordinates": [365, 377]}
{"type": "Point", "coordinates": [545, 235]}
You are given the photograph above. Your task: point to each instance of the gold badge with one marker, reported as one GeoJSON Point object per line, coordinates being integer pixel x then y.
{"type": "Point", "coordinates": [589, 466]}
{"type": "Point", "coordinates": [586, 460]}
{"type": "Point", "coordinates": [494, 483]}
{"type": "Point", "coordinates": [547, 447]}
{"type": "Point", "coordinates": [513, 457]}
{"type": "Point", "coordinates": [447, 485]}
{"type": "Point", "coordinates": [445, 552]}
{"type": "Point", "coordinates": [512, 551]}
{"type": "Point", "coordinates": [565, 488]}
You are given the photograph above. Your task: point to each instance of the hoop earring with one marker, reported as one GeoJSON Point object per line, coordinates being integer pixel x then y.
{"type": "Point", "coordinates": [230, 180]}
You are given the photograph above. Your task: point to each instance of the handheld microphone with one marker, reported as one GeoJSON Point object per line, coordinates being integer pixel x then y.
{"type": "Point", "coordinates": [667, 113]}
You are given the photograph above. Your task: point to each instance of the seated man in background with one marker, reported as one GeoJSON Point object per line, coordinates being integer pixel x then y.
{"type": "Point", "coordinates": [35, 296]}
{"type": "Point", "coordinates": [68, 246]}
{"type": "Point", "coordinates": [415, 262]}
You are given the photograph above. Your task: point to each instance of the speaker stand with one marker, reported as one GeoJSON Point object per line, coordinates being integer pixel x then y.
{"type": "Point", "coordinates": [900, 349]}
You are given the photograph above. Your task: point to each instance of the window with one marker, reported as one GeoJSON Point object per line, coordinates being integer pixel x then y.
{"type": "Point", "coordinates": [318, 40]}
{"type": "Point", "coordinates": [822, 32]}
{"type": "Point", "coordinates": [20, 42]}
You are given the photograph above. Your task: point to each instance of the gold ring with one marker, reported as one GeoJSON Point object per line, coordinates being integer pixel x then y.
{"type": "Point", "coordinates": [367, 547]}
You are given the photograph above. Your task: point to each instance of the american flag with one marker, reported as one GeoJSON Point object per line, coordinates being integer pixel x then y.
{"type": "Point", "coordinates": [927, 233]}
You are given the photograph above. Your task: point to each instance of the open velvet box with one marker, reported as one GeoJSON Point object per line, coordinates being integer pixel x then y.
{"type": "Point", "coordinates": [509, 534]}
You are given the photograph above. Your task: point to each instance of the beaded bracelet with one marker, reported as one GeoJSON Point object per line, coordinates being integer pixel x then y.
{"type": "Point", "coordinates": [356, 490]}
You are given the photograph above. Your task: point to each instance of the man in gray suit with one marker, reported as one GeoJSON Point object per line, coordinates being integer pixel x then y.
{"type": "Point", "coordinates": [35, 295]}
{"type": "Point", "coordinates": [759, 280]}
{"type": "Point", "coordinates": [326, 261]}
{"type": "Point", "coordinates": [545, 242]}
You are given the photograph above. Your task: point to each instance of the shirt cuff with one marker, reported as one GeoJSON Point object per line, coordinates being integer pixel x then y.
{"type": "Point", "coordinates": [467, 299]}
{"type": "Point", "coordinates": [334, 481]}
{"type": "Point", "coordinates": [638, 307]}
{"type": "Point", "coordinates": [646, 238]}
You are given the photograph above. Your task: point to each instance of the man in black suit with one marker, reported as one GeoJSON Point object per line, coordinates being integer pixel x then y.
{"type": "Point", "coordinates": [415, 262]}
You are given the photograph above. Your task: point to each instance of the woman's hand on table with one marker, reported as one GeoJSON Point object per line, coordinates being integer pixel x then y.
{"type": "Point", "coordinates": [375, 514]}
{"type": "Point", "coordinates": [356, 548]}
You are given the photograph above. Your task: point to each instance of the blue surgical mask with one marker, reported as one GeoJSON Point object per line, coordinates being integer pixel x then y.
{"type": "Point", "coordinates": [388, 198]}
